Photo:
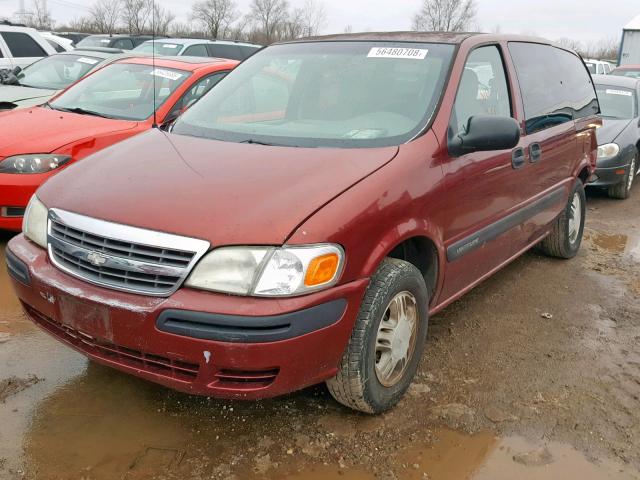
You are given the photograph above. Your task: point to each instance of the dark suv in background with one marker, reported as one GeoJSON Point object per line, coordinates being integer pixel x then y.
{"type": "Point", "coordinates": [122, 42]}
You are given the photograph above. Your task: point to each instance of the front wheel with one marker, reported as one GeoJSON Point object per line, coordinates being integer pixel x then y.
{"type": "Point", "coordinates": [387, 340]}
{"type": "Point", "coordinates": [566, 233]}
{"type": "Point", "coordinates": [622, 190]}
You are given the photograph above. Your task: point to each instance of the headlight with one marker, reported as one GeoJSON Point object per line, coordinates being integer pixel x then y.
{"type": "Point", "coordinates": [34, 224]}
{"type": "Point", "coordinates": [36, 163]}
{"type": "Point", "coordinates": [608, 150]}
{"type": "Point", "coordinates": [269, 271]}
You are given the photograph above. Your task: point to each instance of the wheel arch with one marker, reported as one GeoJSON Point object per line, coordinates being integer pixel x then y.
{"type": "Point", "coordinates": [420, 247]}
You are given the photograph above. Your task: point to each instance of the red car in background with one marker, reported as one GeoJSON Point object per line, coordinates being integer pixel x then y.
{"type": "Point", "coordinates": [632, 71]}
{"type": "Point", "coordinates": [114, 103]}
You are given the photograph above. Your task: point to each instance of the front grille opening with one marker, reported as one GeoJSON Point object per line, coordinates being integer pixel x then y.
{"type": "Point", "coordinates": [156, 269]}
{"type": "Point", "coordinates": [148, 362]}
{"type": "Point", "coordinates": [121, 248]}
{"type": "Point", "coordinates": [246, 379]}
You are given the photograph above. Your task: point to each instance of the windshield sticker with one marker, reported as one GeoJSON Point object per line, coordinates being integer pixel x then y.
{"type": "Point", "coordinates": [88, 61]}
{"type": "Point", "coordinates": [169, 45]}
{"type": "Point", "coordinates": [159, 72]}
{"type": "Point", "coordinates": [105, 40]}
{"type": "Point", "coordinates": [405, 53]}
{"type": "Point", "coordinates": [610, 91]}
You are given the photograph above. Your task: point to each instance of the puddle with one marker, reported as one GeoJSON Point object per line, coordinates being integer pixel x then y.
{"type": "Point", "coordinates": [610, 242]}
{"type": "Point", "coordinates": [627, 245]}
{"type": "Point", "coordinates": [12, 320]}
{"type": "Point", "coordinates": [517, 458]}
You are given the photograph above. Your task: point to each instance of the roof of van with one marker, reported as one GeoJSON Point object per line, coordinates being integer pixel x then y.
{"type": "Point", "coordinates": [616, 81]}
{"type": "Point", "coordinates": [426, 37]}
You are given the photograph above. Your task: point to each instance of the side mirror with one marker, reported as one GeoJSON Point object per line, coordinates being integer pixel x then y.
{"type": "Point", "coordinates": [486, 133]}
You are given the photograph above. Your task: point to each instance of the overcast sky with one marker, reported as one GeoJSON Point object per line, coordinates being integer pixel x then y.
{"type": "Point", "coordinates": [584, 20]}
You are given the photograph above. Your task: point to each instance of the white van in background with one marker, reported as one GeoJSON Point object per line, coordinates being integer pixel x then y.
{"type": "Point", "coordinates": [21, 46]}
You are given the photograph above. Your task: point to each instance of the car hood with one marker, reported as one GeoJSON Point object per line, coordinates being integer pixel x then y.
{"type": "Point", "coordinates": [223, 192]}
{"type": "Point", "coordinates": [19, 96]}
{"type": "Point", "coordinates": [610, 130]}
{"type": "Point", "coordinates": [43, 130]}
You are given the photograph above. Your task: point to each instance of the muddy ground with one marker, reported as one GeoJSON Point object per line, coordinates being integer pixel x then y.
{"type": "Point", "coordinates": [535, 374]}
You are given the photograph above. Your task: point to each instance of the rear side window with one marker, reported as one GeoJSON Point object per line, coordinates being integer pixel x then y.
{"type": "Point", "coordinates": [22, 45]}
{"type": "Point", "coordinates": [197, 51]}
{"type": "Point", "coordinates": [123, 44]}
{"type": "Point", "coordinates": [555, 86]}
{"type": "Point", "coordinates": [58, 48]}
{"type": "Point", "coordinates": [248, 51]}
{"type": "Point", "coordinates": [232, 52]}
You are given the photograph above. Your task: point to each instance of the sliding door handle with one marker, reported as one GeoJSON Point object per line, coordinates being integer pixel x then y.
{"type": "Point", "coordinates": [518, 158]}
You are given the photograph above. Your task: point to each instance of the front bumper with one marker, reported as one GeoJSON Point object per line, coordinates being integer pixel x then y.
{"type": "Point", "coordinates": [129, 332]}
{"type": "Point", "coordinates": [610, 172]}
{"type": "Point", "coordinates": [15, 192]}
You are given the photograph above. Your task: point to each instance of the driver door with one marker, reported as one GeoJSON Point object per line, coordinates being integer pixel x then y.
{"type": "Point", "coordinates": [483, 187]}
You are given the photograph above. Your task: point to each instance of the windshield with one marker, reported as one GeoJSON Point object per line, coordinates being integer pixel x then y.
{"type": "Point", "coordinates": [57, 72]}
{"type": "Point", "coordinates": [94, 42]}
{"type": "Point", "coordinates": [591, 67]}
{"type": "Point", "coordinates": [616, 102]}
{"type": "Point", "coordinates": [325, 94]}
{"type": "Point", "coordinates": [627, 73]}
{"type": "Point", "coordinates": [159, 48]}
{"type": "Point", "coordinates": [122, 90]}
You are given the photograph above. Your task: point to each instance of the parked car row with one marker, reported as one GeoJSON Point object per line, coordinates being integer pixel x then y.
{"type": "Point", "coordinates": [299, 220]}
{"type": "Point", "coordinates": [20, 46]}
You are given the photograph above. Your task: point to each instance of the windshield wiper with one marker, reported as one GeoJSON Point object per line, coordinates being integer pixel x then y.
{"type": "Point", "coordinates": [251, 141]}
{"type": "Point", "coordinates": [79, 110]}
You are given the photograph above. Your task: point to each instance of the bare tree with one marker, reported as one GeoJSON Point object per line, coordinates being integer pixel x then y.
{"type": "Point", "coordinates": [136, 15]}
{"type": "Point", "coordinates": [570, 43]}
{"type": "Point", "coordinates": [293, 26]}
{"type": "Point", "coordinates": [240, 30]}
{"type": "Point", "coordinates": [39, 16]}
{"type": "Point", "coordinates": [269, 15]}
{"type": "Point", "coordinates": [214, 16]}
{"type": "Point", "coordinates": [314, 17]}
{"type": "Point", "coordinates": [104, 15]}
{"type": "Point", "coordinates": [180, 29]}
{"type": "Point", "coordinates": [79, 24]}
{"type": "Point", "coordinates": [161, 19]}
{"type": "Point", "coordinates": [445, 15]}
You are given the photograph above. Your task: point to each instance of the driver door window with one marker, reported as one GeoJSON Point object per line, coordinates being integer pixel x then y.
{"type": "Point", "coordinates": [483, 89]}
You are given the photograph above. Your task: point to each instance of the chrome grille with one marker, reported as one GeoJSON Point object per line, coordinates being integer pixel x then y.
{"type": "Point", "coordinates": [119, 256]}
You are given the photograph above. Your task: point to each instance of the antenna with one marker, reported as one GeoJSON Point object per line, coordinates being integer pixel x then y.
{"type": "Point", "coordinates": [153, 60]}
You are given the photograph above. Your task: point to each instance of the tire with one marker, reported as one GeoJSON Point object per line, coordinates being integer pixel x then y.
{"type": "Point", "coordinates": [359, 384]}
{"type": "Point", "coordinates": [622, 190]}
{"type": "Point", "coordinates": [566, 237]}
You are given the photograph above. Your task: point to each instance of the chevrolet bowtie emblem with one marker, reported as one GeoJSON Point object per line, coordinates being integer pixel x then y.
{"type": "Point", "coordinates": [96, 259]}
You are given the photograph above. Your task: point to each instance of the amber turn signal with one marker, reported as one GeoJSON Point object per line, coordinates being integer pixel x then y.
{"type": "Point", "coordinates": [322, 269]}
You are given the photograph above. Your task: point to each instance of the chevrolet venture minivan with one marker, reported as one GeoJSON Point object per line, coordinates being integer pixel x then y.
{"type": "Point", "coordinates": [301, 222]}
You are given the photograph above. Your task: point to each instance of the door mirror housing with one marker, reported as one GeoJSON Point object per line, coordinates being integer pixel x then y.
{"type": "Point", "coordinates": [485, 133]}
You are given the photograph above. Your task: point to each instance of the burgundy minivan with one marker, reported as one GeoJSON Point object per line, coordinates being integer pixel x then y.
{"type": "Point", "coordinates": [301, 222]}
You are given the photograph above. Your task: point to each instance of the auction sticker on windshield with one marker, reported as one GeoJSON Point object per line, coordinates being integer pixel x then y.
{"type": "Point", "coordinates": [406, 53]}
{"type": "Point", "coordinates": [159, 72]}
{"type": "Point", "coordinates": [169, 45]}
{"type": "Point", "coordinates": [626, 93]}
{"type": "Point", "coordinates": [88, 61]}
